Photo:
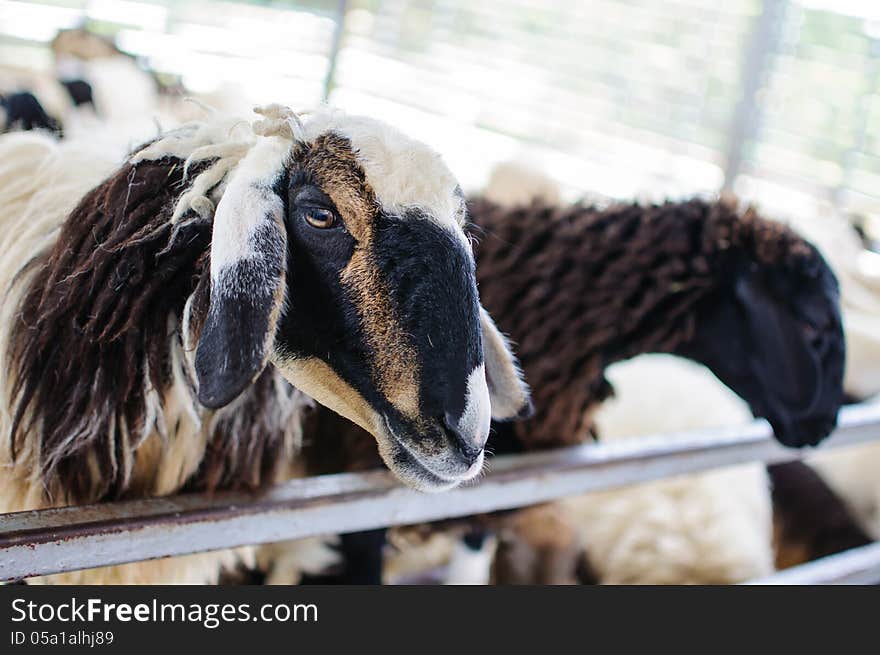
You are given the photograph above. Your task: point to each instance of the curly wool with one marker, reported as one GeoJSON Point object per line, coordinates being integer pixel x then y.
{"type": "Point", "coordinates": [102, 270]}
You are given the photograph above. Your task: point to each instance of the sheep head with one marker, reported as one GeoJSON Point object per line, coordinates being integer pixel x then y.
{"type": "Point", "coordinates": [338, 256]}
{"type": "Point", "coordinates": [775, 337]}
{"type": "Point", "coordinates": [708, 280]}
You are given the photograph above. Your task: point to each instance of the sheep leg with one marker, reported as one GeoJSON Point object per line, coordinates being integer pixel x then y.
{"type": "Point", "coordinates": [471, 560]}
{"type": "Point", "coordinates": [537, 545]}
{"type": "Point", "coordinates": [361, 555]}
{"type": "Point", "coordinates": [809, 519]}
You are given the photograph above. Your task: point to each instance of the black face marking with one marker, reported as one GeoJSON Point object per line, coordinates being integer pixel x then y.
{"type": "Point", "coordinates": [430, 274]}
{"type": "Point", "coordinates": [426, 275]}
{"type": "Point", "coordinates": [388, 303]}
{"type": "Point", "coordinates": [319, 318]}
{"type": "Point", "coordinates": [80, 92]}
{"type": "Point", "coordinates": [778, 343]}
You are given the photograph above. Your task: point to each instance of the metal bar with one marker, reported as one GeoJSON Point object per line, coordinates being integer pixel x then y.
{"type": "Point", "coordinates": [862, 133]}
{"type": "Point", "coordinates": [745, 123]}
{"type": "Point", "coordinates": [335, 47]}
{"type": "Point", "coordinates": [856, 566]}
{"type": "Point", "coordinates": [56, 540]}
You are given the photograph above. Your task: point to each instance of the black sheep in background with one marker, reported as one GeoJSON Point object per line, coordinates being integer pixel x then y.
{"type": "Point", "coordinates": [22, 111]}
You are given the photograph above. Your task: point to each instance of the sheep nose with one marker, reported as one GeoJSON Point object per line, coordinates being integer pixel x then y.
{"type": "Point", "coordinates": [468, 446]}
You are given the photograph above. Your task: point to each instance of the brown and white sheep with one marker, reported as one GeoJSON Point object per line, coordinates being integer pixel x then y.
{"type": "Point", "coordinates": [165, 321]}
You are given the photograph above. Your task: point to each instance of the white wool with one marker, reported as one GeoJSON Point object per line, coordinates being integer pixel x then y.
{"type": "Point", "coordinates": [285, 562]}
{"type": "Point", "coordinates": [663, 393]}
{"type": "Point", "coordinates": [714, 527]}
{"type": "Point", "coordinates": [120, 87]}
{"type": "Point", "coordinates": [406, 559]}
{"type": "Point", "coordinates": [513, 184]}
{"type": "Point", "coordinates": [471, 567]}
{"type": "Point", "coordinates": [403, 172]}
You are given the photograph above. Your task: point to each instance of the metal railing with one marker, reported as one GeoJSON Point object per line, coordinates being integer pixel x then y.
{"type": "Point", "coordinates": [56, 540]}
{"type": "Point", "coordinates": [856, 566]}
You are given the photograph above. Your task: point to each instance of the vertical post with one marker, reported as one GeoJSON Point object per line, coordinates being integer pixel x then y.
{"type": "Point", "coordinates": [862, 112]}
{"type": "Point", "coordinates": [335, 45]}
{"type": "Point", "coordinates": [763, 44]}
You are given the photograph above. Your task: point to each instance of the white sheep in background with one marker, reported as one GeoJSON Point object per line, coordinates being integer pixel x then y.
{"type": "Point", "coordinates": [715, 527]}
{"type": "Point", "coordinates": [97, 93]}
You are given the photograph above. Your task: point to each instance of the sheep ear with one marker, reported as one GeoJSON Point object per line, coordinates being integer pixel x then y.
{"type": "Point", "coordinates": [248, 264]}
{"type": "Point", "coordinates": [508, 393]}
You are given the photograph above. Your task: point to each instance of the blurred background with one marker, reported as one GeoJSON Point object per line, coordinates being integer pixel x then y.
{"type": "Point", "coordinates": [777, 100]}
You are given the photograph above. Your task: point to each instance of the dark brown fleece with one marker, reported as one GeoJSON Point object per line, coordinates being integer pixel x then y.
{"type": "Point", "coordinates": [94, 317]}
{"type": "Point", "coordinates": [95, 323]}
{"type": "Point", "coordinates": [579, 288]}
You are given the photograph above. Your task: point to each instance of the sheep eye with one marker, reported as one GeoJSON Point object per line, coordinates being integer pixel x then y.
{"type": "Point", "coordinates": [320, 218]}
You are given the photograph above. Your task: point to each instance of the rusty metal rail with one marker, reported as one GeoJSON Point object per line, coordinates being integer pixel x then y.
{"type": "Point", "coordinates": [856, 566]}
{"type": "Point", "coordinates": [65, 539]}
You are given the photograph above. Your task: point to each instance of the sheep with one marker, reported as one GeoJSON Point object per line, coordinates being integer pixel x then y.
{"type": "Point", "coordinates": [45, 101]}
{"type": "Point", "coordinates": [32, 100]}
{"type": "Point", "coordinates": [512, 183]}
{"type": "Point", "coordinates": [95, 92]}
{"type": "Point", "coordinates": [165, 322]}
{"type": "Point", "coordinates": [808, 521]}
{"type": "Point", "coordinates": [730, 563]}
{"type": "Point", "coordinates": [704, 280]}
{"type": "Point", "coordinates": [712, 528]}
{"type": "Point", "coordinates": [828, 503]}
{"type": "Point", "coordinates": [656, 544]}
{"type": "Point", "coordinates": [22, 110]}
